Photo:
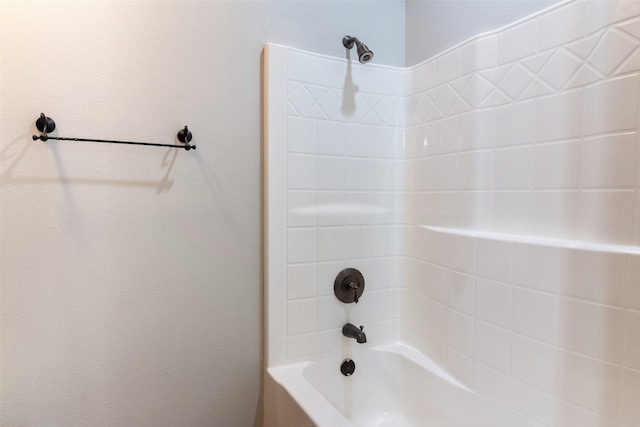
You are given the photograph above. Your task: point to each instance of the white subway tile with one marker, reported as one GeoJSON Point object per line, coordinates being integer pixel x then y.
{"type": "Point", "coordinates": [384, 143]}
{"type": "Point", "coordinates": [479, 54]}
{"type": "Point", "coordinates": [359, 208]}
{"type": "Point", "coordinates": [594, 276]}
{"type": "Point", "coordinates": [531, 402]}
{"type": "Point", "coordinates": [301, 135]}
{"type": "Point", "coordinates": [448, 67]}
{"type": "Point", "coordinates": [424, 77]}
{"type": "Point", "coordinates": [357, 174]}
{"type": "Point", "coordinates": [557, 165]}
{"type": "Point", "coordinates": [475, 170]}
{"type": "Point", "coordinates": [459, 365]}
{"type": "Point", "coordinates": [301, 281]}
{"type": "Point", "coordinates": [444, 135]}
{"type": "Point", "coordinates": [495, 260]}
{"type": "Point", "coordinates": [301, 245]}
{"type": "Point", "coordinates": [436, 319]}
{"type": "Point", "coordinates": [357, 140]}
{"type": "Point", "coordinates": [537, 267]}
{"type": "Point", "coordinates": [590, 384]}
{"type": "Point", "coordinates": [438, 248]}
{"type": "Point", "coordinates": [302, 67]}
{"type": "Point", "coordinates": [383, 239]}
{"type": "Point", "coordinates": [631, 396]}
{"type": "Point", "coordinates": [513, 167]}
{"type": "Point", "coordinates": [330, 138]}
{"type": "Point", "coordinates": [592, 330]}
{"type": "Point", "coordinates": [445, 172]}
{"type": "Point", "coordinates": [512, 211]}
{"type": "Point", "coordinates": [632, 279]}
{"type": "Point", "coordinates": [301, 208]}
{"type": "Point", "coordinates": [556, 214]}
{"type": "Point", "coordinates": [326, 275]}
{"type": "Point", "coordinates": [533, 363]}
{"type": "Point", "coordinates": [463, 254]}
{"type": "Point", "coordinates": [358, 242]}
{"type": "Point", "coordinates": [559, 116]}
{"type": "Point", "coordinates": [331, 173]}
{"type": "Point", "coordinates": [607, 216]}
{"type": "Point", "coordinates": [301, 171]}
{"type": "Point", "coordinates": [439, 283]}
{"type": "Point", "coordinates": [301, 316]}
{"type": "Point", "coordinates": [383, 174]}
{"type": "Point", "coordinates": [462, 293]}
{"type": "Point", "coordinates": [460, 332]}
{"type": "Point", "coordinates": [571, 415]}
{"type": "Point", "coordinates": [331, 208]}
{"type": "Point", "coordinates": [515, 124]}
{"type": "Point", "coordinates": [535, 314]}
{"type": "Point", "coordinates": [301, 346]}
{"type": "Point", "coordinates": [610, 161]}
{"type": "Point", "coordinates": [331, 313]}
{"type": "Point", "coordinates": [562, 25]}
{"type": "Point", "coordinates": [611, 106]}
{"type": "Point", "coordinates": [632, 339]}
{"type": "Point", "coordinates": [329, 340]}
{"type": "Point", "coordinates": [492, 346]}
{"type": "Point", "coordinates": [332, 73]}
{"type": "Point", "coordinates": [517, 42]}
{"type": "Point", "coordinates": [491, 382]}
{"type": "Point", "coordinates": [477, 129]}
{"type": "Point", "coordinates": [474, 210]}
{"type": "Point", "coordinates": [493, 303]}
{"type": "Point", "coordinates": [444, 209]}
{"type": "Point", "coordinates": [331, 243]}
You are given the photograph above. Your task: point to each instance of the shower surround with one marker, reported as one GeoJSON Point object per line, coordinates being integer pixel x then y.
{"type": "Point", "coordinates": [490, 196]}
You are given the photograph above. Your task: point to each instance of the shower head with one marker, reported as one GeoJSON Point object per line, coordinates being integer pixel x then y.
{"type": "Point", "coordinates": [364, 54]}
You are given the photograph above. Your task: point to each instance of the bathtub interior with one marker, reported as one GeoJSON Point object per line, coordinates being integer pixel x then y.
{"type": "Point", "coordinates": [394, 385]}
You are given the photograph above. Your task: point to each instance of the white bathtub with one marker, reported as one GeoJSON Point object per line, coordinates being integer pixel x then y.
{"type": "Point", "coordinates": [393, 386]}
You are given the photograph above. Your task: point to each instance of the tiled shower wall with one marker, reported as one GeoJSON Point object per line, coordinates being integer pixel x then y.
{"type": "Point", "coordinates": [343, 138]}
{"type": "Point", "coordinates": [521, 223]}
{"type": "Point", "coordinates": [491, 198]}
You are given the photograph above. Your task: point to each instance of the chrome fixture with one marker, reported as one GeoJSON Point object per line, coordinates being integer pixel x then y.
{"type": "Point", "coordinates": [352, 331]}
{"type": "Point", "coordinates": [364, 54]}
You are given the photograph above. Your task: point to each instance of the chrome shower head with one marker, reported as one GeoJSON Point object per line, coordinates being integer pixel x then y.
{"type": "Point", "coordinates": [364, 54]}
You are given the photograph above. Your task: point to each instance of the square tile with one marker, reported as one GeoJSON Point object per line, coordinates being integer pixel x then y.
{"type": "Point", "coordinates": [611, 106]}
{"type": "Point", "coordinates": [556, 214]}
{"type": "Point", "coordinates": [535, 314]}
{"type": "Point", "coordinates": [593, 275]}
{"type": "Point", "coordinates": [607, 216]}
{"type": "Point", "coordinates": [515, 124]}
{"type": "Point", "coordinates": [592, 330]}
{"type": "Point", "coordinates": [610, 161]}
{"type": "Point", "coordinates": [495, 260]}
{"type": "Point", "coordinates": [301, 135]}
{"type": "Point", "coordinates": [557, 165]}
{"type": "Point", "coordinates": [567, 105]}
{"type": "Point", "coordinates": [533, 363]}
{"type": "Point", "coordinates": [537, 267]}
{"type": "Point", "coordinates": [492, 346]}
{"type": "Point", "coordinates": [493, 303]}
{"type": "Point", "coordinates": [589, 384]}
{"type": "Point", "coordinates": [301, 281]}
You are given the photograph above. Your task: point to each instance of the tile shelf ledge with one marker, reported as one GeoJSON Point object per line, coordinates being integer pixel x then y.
{"type": "Point", "coordinates": [537, 240]}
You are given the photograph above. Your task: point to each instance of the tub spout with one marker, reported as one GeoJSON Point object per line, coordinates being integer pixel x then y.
{"type": "Point", "coordinates": [352, 331]}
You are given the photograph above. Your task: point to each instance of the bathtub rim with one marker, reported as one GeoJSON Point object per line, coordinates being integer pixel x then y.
{"type": "Point", "coordinates": [318, 409]}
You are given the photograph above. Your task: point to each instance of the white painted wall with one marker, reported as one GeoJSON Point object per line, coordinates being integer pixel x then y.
{"type": "Point", "coordinates": [433, 26]}
{"type": "Point", "coordinates": [131, 276]}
